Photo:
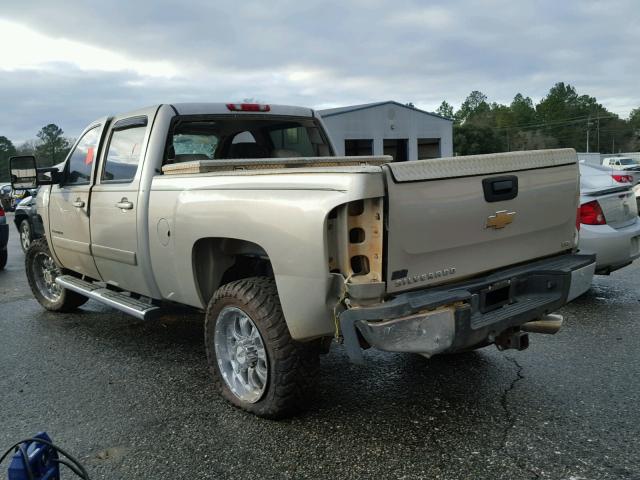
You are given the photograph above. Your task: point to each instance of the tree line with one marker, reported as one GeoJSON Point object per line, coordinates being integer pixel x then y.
{"type": "Point", "coordinates": [562, 119]}
{"type": "Point", "coordinates": [50, 148]}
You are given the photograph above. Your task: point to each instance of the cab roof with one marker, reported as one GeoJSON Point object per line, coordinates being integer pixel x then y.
{"type": "Point", "coordinates": [206, 108]}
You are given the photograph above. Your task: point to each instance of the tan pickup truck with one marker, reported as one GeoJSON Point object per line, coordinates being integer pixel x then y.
{"type": "Point", "coordinates": [244, 212]}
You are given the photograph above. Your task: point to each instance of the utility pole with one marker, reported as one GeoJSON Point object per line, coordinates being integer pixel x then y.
{"type": "Point", "coordinates": [588, 124]}
{"type": "Point", "coordinates": [598, 127]}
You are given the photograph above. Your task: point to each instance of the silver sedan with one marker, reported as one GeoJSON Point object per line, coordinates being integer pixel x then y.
{"type": "Point", "coordinates": [609, 223]}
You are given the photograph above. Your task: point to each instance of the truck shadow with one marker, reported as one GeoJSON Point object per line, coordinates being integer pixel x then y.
{"type": "Point", "coordinates": [445, 392]}
{"type": "Point", "coordinates": [392, 381]}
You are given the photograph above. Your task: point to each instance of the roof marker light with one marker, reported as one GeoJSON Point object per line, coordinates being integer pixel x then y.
{"type": "Point", "coordinates": [248, 107]}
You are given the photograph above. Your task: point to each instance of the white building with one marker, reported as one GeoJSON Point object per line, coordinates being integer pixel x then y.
{"type": "Point", "coordinates": [389, 128]}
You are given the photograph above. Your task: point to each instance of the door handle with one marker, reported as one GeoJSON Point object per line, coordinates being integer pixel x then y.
{"type": "Point", "coordinates": [124, 204]}
{"type": "Point", "coordinates": [78, 203]}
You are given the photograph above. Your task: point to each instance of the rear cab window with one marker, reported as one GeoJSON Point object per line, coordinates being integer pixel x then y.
{"type": "Point", "coordinates": [293, 140]}
{"type": "Point", "coordinates": [193, 141]}
{"type": "Point", "coordinates": [237, 137]}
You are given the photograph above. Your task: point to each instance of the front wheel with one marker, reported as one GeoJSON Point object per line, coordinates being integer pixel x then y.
{"type": "Point", "coordinates": [25, 235]}
{"type": "Point", "coordinates": [42, 272]}
{"type": "Point", "coordinates": [255, 363]}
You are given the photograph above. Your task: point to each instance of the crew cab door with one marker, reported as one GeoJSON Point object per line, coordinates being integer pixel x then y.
{"type": "Point", "coordinates": [69, 205]}
{"type": "Point", "coordinates": [114, 203]}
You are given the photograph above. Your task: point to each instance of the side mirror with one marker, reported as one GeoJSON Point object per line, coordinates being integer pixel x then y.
{"type": "Point", "coordinates": [24, 174]}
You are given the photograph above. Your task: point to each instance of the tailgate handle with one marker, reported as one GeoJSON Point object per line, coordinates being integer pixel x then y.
{"type": "Point", "coordinates": [497, 189]}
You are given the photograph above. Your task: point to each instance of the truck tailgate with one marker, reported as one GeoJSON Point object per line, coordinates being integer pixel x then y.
{"type": "Point", "coordinates": [453, 218]}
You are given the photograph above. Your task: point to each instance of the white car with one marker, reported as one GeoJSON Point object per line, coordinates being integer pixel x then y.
{"type": "Point", "coordinates": [625, 169]}
{"type": "Point", "coordinates": [609, 223]}
{"type": "Point", "coordinates": [620, 163]}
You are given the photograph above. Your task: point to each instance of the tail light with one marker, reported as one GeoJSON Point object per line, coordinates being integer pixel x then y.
{"type": "Point", "coordinates": [248, 107]}
{"type": "Point", "coordinates": [1, 212]}
{"type": "Point", "coordinates": [591, 214]}
{"type": "Point", "coordinates": [623, 178]}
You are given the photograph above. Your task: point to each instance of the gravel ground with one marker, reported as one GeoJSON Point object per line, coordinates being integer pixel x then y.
{"type": "Point", "coordinates": [133, 400]}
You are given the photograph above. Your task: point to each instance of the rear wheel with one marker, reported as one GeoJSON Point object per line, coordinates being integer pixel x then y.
{"type": "Point", "coordinates": [42, 272]}
{"type": "Point", "coordinates": [3, 259]}
{"type": "Point", "coordinates": [25, 235]}
{"type": "Point", "coordinates": [255, 363]}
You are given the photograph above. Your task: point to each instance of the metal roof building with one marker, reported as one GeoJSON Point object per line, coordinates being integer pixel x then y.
{"type": "Point", "coordinates": [389, 128]}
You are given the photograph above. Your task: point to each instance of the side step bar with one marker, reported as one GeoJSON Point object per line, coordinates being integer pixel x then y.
{"type": "Point", "coordinates": [117, 300]}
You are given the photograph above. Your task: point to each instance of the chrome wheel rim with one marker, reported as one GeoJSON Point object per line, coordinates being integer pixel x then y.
{"type": "Point", "coordinates": [45, 272]}
{"type": "Point", "coordinates": [25, 235]}
{"type": "Point", "coordinates": [241, 354]}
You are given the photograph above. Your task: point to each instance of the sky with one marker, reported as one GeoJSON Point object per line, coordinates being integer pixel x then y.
{"type": "Point", "coordinates": [74, 61]}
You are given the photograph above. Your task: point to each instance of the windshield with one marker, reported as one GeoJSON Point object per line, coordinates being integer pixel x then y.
{"type": "Point", "coordinates": [627, 161]}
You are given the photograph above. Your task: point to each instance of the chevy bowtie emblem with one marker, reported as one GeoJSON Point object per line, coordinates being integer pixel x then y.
{"type": "Point", "coordinates": [500, 220]}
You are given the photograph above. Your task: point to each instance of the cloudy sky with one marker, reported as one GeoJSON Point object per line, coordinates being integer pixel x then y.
{"type": "Point", "coordinates": [70, 62]}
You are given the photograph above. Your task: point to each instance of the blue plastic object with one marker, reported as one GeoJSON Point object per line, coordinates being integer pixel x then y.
{"type": "Point", "coordinates": [42, 461]}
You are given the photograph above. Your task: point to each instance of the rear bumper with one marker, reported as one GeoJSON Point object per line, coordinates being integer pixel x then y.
{"type": "Point", "coordinates": [613, 248]}
{"type": "Point", "coordinates": [459, 316]}
{"type": "Point", "coordinates": [4, 236]}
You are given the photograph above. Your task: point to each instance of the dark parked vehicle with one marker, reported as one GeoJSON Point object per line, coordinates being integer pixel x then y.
{"type": "Point", "coordinates": [6, 201]}
{"type": "Point", "coordinates": [4, 238]}
{"type": "Point", "coordinates": [27, 220]}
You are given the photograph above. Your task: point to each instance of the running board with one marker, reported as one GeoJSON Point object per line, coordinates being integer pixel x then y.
{"type": "Point", "coordinates": [117, 300]}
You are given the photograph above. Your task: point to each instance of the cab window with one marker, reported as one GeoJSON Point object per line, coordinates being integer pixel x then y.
{"type": "Point", "coordinates": [237, 137]}
{"type": "Point", "coordinates": [194, 146]}
{"type": "Point", "coordinates": [293, 141]}
{"type": "Point", "coordinates": [82, 158]}
{"type": "Point", "coordinates": [192, 140]}
{"type": "Point", "coordinates": [123, 155]}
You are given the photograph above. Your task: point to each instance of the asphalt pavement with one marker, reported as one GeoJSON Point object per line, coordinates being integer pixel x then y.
{"type": "Point", "coordinates": [133, 399]}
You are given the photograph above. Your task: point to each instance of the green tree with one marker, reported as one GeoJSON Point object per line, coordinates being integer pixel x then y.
{"type": "Point", "coordinates": [6, 150]}
{"type": "Point", "coordinates": [634, 125]}
{"type": "Point", "coordinates": [522, 110]}
{"type": "Point", "coordinates": [634, 118]}
{"type": "Point", "coordinates": [563, 118]}
{"type": "Point", "coordinates": [473, 108]}
{"type": "Point", "coordinates": [573, 119]}
{"type": "Point", "coordinates": [472, 139]}
{"type": "Point", "coordinates": [445, 110]}
{"type": "Point", "coordinates": [27, 148]}
{"type": "Point", "coordinates": [560, 102]}
{"type": "Point", "coordinates": [53, 146]}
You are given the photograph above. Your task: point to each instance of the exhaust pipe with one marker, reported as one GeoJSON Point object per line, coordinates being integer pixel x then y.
{"type": "Point", "coordinates": [549, 324]}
